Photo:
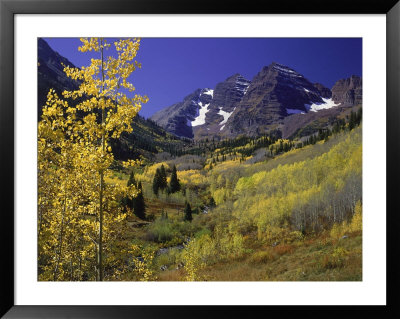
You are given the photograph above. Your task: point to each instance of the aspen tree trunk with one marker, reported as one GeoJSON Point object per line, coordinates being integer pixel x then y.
{"type": "Point", "coordinates": [60, 243]}
{"type": "Point", "coordinates": [100, 244]}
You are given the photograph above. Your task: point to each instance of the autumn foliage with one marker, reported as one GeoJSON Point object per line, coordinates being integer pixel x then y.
{"type": "Point", "coordinates": [78, 213]}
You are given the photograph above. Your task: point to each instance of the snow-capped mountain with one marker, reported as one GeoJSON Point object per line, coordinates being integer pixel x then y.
{"type": "Point", "coordinates": [204, 111]}
{"type": "Point", "coordinates": [239, 106]}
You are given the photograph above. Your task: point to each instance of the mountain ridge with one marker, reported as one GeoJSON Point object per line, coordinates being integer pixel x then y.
{"type": "Point", "coordinates": [277, 98]}
{"type": "Point", "coordinates": [257, 106]}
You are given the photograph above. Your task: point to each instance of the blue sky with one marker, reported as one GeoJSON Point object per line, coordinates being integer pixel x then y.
{"type": "Point", "coordinates": [174, 67]}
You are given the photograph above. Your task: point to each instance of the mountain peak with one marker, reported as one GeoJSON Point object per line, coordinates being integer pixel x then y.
{"type": "Point", "coordinates": [239, 106]}
{"type": "Point", "coordinates": [234, 77]}
{"type": "Point", "coordinates": [283, 69]}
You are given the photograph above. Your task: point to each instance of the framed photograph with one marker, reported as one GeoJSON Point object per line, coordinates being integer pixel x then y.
{"type": "Point", "coordinates": [164, 154]}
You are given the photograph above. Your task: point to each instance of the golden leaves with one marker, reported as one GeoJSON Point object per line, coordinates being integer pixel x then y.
{"type": "Point", "coordinates": [89, 44]}
{"type": "Point", "coordinates": [73, 152]}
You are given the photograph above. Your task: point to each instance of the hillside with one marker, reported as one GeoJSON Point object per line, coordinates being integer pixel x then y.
{"type": "Point", "coordinates": [295, 216]}
{"type": "Point", "coordinates": [147, 138]}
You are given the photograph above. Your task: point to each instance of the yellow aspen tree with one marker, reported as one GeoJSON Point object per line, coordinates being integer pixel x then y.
{"type": "Point", "coordinates": [59, 192]}
{"type": "Point", "coordinates": [104, 83]}
{"type": "Point", "coordinates": [81, 200]}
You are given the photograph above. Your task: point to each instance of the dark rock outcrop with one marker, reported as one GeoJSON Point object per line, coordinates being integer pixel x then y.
{"type": "Point", "coordinates": [323, 91]}
{"type": "Point", "coordinates": [348, 91]}
{"type": "Point", "coordinates": [178, 117]}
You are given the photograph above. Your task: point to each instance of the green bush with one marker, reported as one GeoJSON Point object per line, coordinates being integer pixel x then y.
{"type": "Point", "coordinates": [202, 232]}
{"type": "Point", "coordinates": [170, 232]}
{"type": "Point", "coordinates": [168, 259]}
{"type": "Point", "coordinates": [161, 231]}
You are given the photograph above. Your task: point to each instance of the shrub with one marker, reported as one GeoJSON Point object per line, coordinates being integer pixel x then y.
{"type": "Point", "coordinates": [144, 265]}
{"type": "Point", "coordinates": [206, 250]}
{"type": "Point", "coordinates": [168, 259]}
{"type": "Point", "coordinates": [161, 231]}
{"type": "Point", "coordinates": [334, 260]}
{"type": "Point", "coordinates": [262, 257]}
{"type": "Point", "coordinates": [202, 232]}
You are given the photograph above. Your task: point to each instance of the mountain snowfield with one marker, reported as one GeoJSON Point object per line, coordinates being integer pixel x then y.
{"type": "Point", "coordinates": [226, 116]}
{"type": "Point", "coordinates": [315, 107]}
{"type": "Point", "coordinates": [200, 118]}
{"type": "Point", "coordinates": [240, 106]}
{"type": "Point", "coordinates": [328, 103]}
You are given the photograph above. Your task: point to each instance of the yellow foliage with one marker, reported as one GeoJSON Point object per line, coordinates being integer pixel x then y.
{"type": "Point", "coordinates": [220, 195]}
{"type": "Point", "coordinates": [78, 212]}
{"type": "Point", "coordinates": [299, 192]}
{"type": "Point", "coordinates": [207, 250]}
{"type": "Point", "coordinates": [356, 221]}
{"type": "Point", "coordinates": [192, 177]}
{"type": "Point", "coordinates": [144, 268]}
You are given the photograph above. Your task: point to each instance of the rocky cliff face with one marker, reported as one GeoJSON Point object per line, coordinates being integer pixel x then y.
{"type": "Point", "coordinates": [239, 106]}
{"type": "Point", "coordinates": [203, 112]}
{"type": "Point", "coordinates": [274, 93]}
{"type": "Point", "coordinates": [348, 92]}
{"type": "Point", "coordinates": [225, 99]}
{"type": "Point", "coordinates": [179, 118]}
{"type": "Point", "coordinates": [323, 91]}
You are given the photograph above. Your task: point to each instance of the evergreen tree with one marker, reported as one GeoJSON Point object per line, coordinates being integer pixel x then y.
{"type": "Point", "coordinates": [163, 178]}
{"type": "Point", "coordinates": [139, 207]}
{"type": "Point", "coordinates": [156, 182]}
{"type": "Point", "coordinates": [131, 180]}
{"type": "Point", "coordinates": [359, 116]}
{"type": "Point", "coordinates": [188, 212]}
{"type": "Point", "coordinates": [352, 121]}
{"type": "Point", "coordinates": [174, 185]}
{"type": "Point", "coordinates": [126, 201]}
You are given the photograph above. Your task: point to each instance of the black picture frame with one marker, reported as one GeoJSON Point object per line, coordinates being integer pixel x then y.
{"type": "Point", "coordinates": [8, 10]}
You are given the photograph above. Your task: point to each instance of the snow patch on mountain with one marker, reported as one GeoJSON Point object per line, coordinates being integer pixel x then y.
{"type": "Point", "coordinates": [226, 115]}
{"type": "Point", "coordinates": [209, 92]}
{"type": "Point", "coordinates": [315, 107]}
{"type": "Point", "coordinates": [200, 119]}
